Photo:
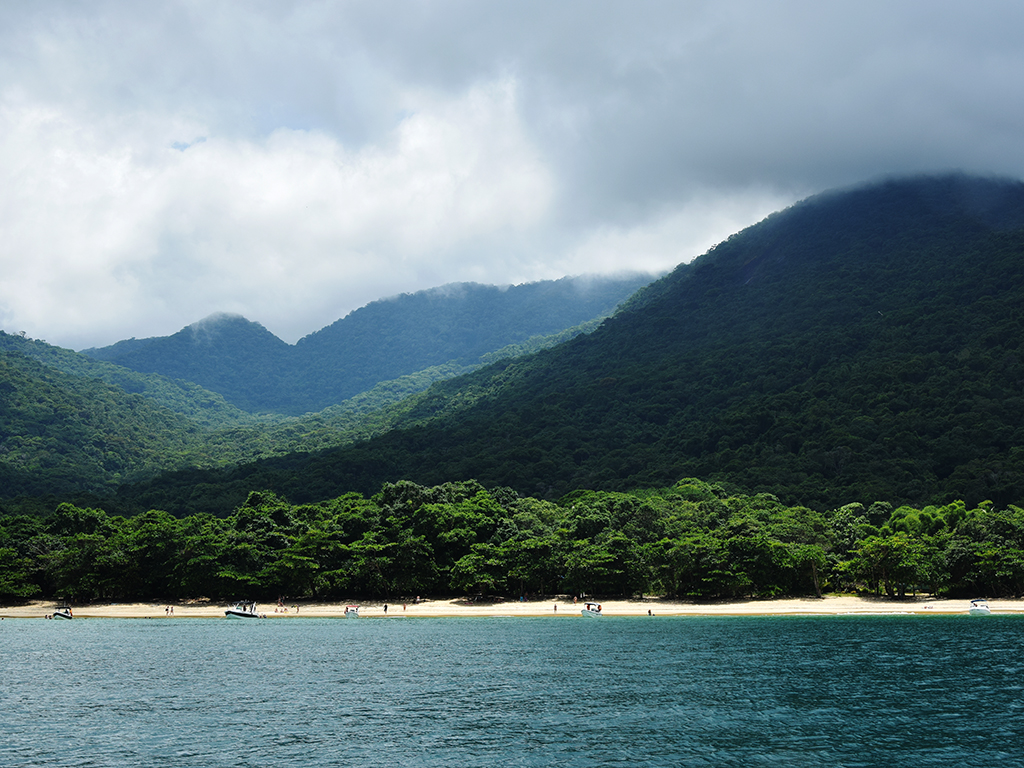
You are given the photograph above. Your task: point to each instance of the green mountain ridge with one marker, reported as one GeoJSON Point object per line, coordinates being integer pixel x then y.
{"type": "Point", "coordinates": [64, 433]}
{"type": "Point", "coordinates": [861, 345]}
{"type": "Point", "coordinates": [200, 429]}
{"type": "Point", "coordinates": [205, 408]}
{"type": "Point", "coordinates": [384, 340]}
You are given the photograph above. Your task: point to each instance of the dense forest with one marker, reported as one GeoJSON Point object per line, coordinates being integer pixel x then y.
{"type": "Point", "coordinates": [70, 424]}
{"type": "Point", "coordinates": [459, 324]}
{"type": "Point", "coordinates": [863, 345]}
{"type": "Point", "coordinates": [850, 369]}
{"type": "Point", "coordinates": [691, 540]}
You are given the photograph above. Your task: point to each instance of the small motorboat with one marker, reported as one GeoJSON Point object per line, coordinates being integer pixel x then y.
{"type": "Point", "coordinates": [979, 607]}
{"type": "Point", "coordinates": [242, 611]}
{"type": "Point", "coordinates": [591, 609]}
{"type": "Point", "coordinates": [351, 611]}
{"type": "Point", "coordinates": [63, 612]}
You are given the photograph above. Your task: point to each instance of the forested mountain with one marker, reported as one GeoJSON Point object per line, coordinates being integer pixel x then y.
{"type": "Point", "coordinates": [68, 439]}
{"type": "Point", "coordinates": [227, 354]}
{"type": "Point", "coordinates": [202, 407]}
{"type": "Point", "coordinates": [384, 340]}
{"type": "Point", "coordinates": [61, 433]}
{"type": "Point", "coordinates": [862, 345]}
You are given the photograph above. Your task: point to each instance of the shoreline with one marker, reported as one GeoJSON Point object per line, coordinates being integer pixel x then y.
{"type": "Point", "coordinates": [830, 605]}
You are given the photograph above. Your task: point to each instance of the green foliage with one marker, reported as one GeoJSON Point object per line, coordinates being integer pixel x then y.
{"type": "Point", "coordinates": [691, 540]}
{"type": "Point", "coordinates": [65, 433]}
{"type": "Point", "coordinates": [204, 408]}
{"type": "Point", "coordinates": [857, 347]}
{"type": "Point", "coordinates": [244, 360]}
{"type": "Point", "coordinates": [862, 345]}
{"type": "Point", "coordinates": [461, 324]}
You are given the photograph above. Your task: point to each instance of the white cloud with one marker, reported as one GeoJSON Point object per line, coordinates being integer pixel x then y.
{"type": "Point", "coordinates": [294, 161]}
{"type": "Point", "coordinates": [676, 235]}
{"type": "Point", "coordinates": [289, 230]}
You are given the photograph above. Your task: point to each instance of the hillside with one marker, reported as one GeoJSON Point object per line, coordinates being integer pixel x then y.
{"type": "Point", "coordinates": [227, 354]}
{"type": "Point", "coordinates": [213, 432]}
{"type": "Point", "coordinates": [202, 407]}
{"type": "Point", "coordinates": [862, 345]}
{"type": "Point", "coordinates": [384, 340]}
{"type": "Point", "coordinates": [62, 434]}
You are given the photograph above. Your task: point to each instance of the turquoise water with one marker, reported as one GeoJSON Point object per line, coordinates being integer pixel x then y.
{"type": "Point", "coordinates": [814, 691]}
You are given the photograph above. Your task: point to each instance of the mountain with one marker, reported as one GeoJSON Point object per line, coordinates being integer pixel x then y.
{"type": "Point", "coordinates": [225, 353]}
{"type": "Point", "coordinates": [458, 323]}
{"type": "Point", "coordinates": [61, 433]}
{"type": "Point", "coordinates": [62, 411]}
{"type": "Point", "coordinates": [861, 345]}
{"type": "Point", "coordinates": [203, 408]}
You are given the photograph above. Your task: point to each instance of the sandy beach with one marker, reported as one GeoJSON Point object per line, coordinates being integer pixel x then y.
{"type": "Point", "coordinates": [829, 605]}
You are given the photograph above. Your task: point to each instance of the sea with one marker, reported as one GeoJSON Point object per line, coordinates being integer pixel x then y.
{"type": "Point", "coordinates": [894, 690]}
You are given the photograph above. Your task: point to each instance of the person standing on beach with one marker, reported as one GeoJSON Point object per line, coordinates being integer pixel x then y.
{"type": "Point", "coordinates": [385, 609]}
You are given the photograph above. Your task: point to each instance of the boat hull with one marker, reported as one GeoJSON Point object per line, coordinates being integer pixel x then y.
{"type": "Point", "coordinates": [979, 608]}
{"type": "Point", "coordinates": [232, 614]}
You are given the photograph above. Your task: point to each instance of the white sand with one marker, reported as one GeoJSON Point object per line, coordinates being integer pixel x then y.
{"type": "Point", "coordinates": [829, 605]}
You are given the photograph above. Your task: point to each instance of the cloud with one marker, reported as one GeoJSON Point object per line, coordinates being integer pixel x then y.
{"type": "Point", "coordinates": [293, 161]}
{"type": "Point", "coordinates": [290, 229]}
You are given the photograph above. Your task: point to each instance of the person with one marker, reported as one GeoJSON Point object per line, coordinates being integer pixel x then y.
{"type": "Point", "coordinates": [556, 607]}
{"type": "Point", "coordinates": [385, 609]}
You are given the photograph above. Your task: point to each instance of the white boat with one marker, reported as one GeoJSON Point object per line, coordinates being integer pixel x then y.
{"type": "Point", "coordinates": [979, 608]}
{"type": "Point", "coordinates": [351, 611]}
{"type": "Point", "coordinates": [591, 609]}
{"type": "Point", "coordinates": [63, 612]}
{"type": "Point", "coordinates": [242, 611]}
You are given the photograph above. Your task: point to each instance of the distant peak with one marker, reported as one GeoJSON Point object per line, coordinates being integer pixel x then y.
{"type": "Point", "coordinates": [215, 319]}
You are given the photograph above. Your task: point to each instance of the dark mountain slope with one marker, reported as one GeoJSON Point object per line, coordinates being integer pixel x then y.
{"type": "Point", "coordinates": [387, 339]}
{"type": "Point", "coordinates": [203, 407]}
{"type": "Point", "coordinates": [861, 345]}
{"type": "Point", "coordinates": [460, 322]}
{"type": "Point", "coordinates": [224, 353]}
{"type": "Point", "coordinates": [61, 433]}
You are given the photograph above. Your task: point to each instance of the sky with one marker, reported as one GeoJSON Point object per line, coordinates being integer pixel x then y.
{"type": "Point", "coordinates": [291, 162]}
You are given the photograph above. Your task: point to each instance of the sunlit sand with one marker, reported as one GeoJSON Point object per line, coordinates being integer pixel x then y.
{"type": "Point", "coordinates": [561, 606]}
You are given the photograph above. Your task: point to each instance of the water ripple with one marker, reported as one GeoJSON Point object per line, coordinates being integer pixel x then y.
{"type": "Point", "coordinates": [814, 691]}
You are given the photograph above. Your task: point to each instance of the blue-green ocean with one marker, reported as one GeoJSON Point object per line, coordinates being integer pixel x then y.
{"type": "Point", "coordinates": [565, 691]}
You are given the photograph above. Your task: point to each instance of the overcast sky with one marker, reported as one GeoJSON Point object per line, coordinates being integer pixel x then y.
{"type": "Point", "coordinates": [291, 162]}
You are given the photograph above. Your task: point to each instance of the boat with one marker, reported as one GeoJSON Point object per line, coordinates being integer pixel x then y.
{"type": "Point", "coordinates": [351, 611]}
{"type": "Point", "coordinates": [591, 609]}
{"type": "Point", "coordinates": [979, 607]}
{"type": "Point", "coordinates": [63, 612]}
{"type": "Point", "coordinates": [242, 611]}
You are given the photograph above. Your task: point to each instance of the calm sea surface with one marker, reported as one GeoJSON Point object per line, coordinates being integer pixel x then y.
{"type": "Point", "coordinates": [566, 691]}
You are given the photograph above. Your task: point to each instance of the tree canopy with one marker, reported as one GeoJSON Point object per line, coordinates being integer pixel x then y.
{"type": "Point", "coordinates": [690, 540]}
